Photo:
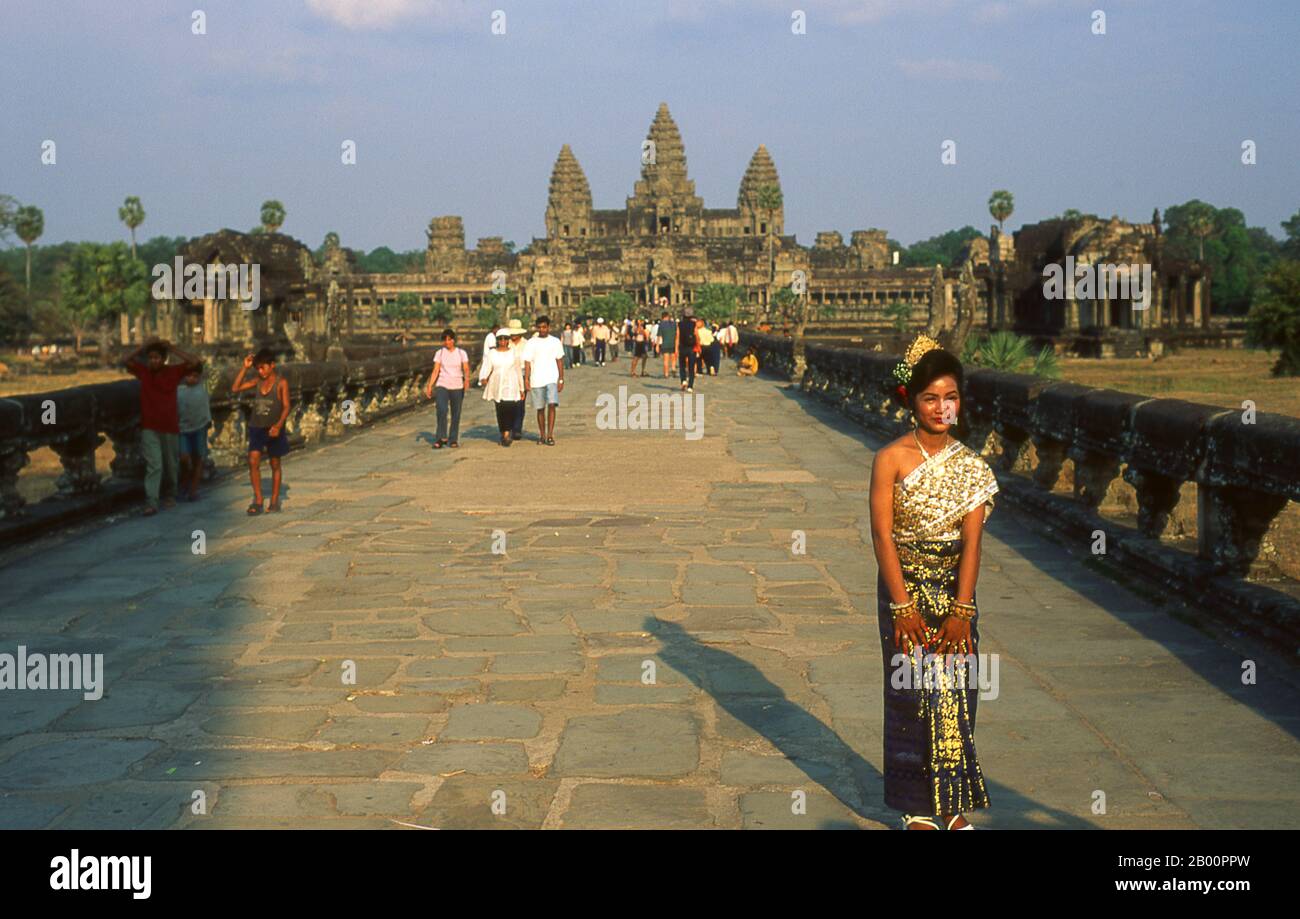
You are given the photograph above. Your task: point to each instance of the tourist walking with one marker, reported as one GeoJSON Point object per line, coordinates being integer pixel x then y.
{"type": "Point", "coordinates": [731, 339]}
{"type": "Point", "coordinates": [566, 341]}
{"type": "Point", "coordinates": [579, 341]}
{"type": "Point", "coordinates": [502, 378]}
{"type": "Point", "coordinates": [930, 495]}
{"type": "Point", "coordinates": [687, 347]}
{"type": "Point", "coordinates": [600, 335]}
{"type": "Point", "coordinates": [709, 347]}
{"type": "Point", "coordinates": [640, 346]}
{"type": "Point", "coordinates": [266, 433]}
{"type": "Point", "coordinates": [668, 343]}
{"type": "Point", "coordinates": [517, 345]}
{"type": "Point", "coordinates": [159, 417]}
{"type": "Point", "coordinates": [450, 381]}
{"type": "Point", "coordinates": [544, 377]}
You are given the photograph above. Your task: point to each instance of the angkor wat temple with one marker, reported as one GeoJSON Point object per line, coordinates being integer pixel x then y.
{"type": "Point", "coordinates": [664, 243]}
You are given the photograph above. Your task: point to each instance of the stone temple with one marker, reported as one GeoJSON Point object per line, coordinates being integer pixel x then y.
{"type": "Point", "coordinates": [664, 243]}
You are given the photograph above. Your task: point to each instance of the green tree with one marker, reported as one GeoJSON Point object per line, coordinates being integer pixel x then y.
{"type": "Point", "coordinates": [1290, 247]}
{"type": "Point", "coordinates": [14, 322]}
{"type": "Point", "coordinates": [29, 224]}
{"type": "Point", "coordinates": [613, 307]}
{"type": "Point", "coordinates": [98, 282]}
{"type": "Point", "coordinates": [131, 213]}
{"type": "Point", "coordinates": [486, 317]}
{"type": "Point", "coordinates": [938, 250]}
{"type": "Point", "coordinates": [441, 312]}
{"type": "Point", "coordinates": [380, 261]}
{"type": "Point", "coordinates": [1238, 256]}
{"type": "Point", "coordinates": [1002, 204]}
{"type": "Point", "coordinates": [403, 310]}
{"type": "Point", "coordinates": [721, 302]}
{"type": "Point", "coordinates": [1274, 319]}
{"type": "Point", "coordinates": [787, 305]}
{"type": "Point", "coordinates": [899, 313]}
{"type": "Point", "coordinates": [502, 302]}
{"type": "Point", "coordinates": [272, 216]}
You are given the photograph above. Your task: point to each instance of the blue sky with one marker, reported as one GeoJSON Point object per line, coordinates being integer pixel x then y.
{"type": "Point", "coordinates": [451, 119]}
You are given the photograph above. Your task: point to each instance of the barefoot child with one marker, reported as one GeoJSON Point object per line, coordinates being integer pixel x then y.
{"type": "Point", "coordinates": [265, 424]}
{"type": "Point", "coordinates": [195, 419]}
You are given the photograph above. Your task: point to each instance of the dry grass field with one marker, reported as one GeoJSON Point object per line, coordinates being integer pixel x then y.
{"type": "Point", "coordinates": [1213, 377]}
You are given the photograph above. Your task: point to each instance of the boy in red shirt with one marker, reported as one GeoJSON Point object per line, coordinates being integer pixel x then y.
{"type": "Point", "coordinates": [159, 420]}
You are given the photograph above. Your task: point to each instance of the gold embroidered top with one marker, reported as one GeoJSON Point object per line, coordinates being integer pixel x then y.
{"type": "Point", "coordinates": [933, 498]}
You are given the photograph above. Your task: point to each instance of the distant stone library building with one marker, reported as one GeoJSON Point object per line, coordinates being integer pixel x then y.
{"type": "Point", "coordinates": [664, 243]}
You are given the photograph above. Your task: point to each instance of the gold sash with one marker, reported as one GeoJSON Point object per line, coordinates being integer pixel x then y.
{"type": "Point", "coordinates": [933, 498]}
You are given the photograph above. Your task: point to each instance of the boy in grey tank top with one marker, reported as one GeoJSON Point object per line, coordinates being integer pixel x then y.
{"type": "Point", "coordinates": [266, 423]}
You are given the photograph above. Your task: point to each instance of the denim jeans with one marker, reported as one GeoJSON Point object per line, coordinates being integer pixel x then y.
{"type": "Point", "coordinates": [455, 397]}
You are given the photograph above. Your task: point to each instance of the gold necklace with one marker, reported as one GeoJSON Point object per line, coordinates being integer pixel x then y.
{"type": "Point", "coordinates": [948, 439]}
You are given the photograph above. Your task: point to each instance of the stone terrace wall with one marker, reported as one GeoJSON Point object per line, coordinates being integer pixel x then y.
{"type": "Point", "coordinates": [1186, 494]}
{"type": "Point", "coordinates": [85, 416]}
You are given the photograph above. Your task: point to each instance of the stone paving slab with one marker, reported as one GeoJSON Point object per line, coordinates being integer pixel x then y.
{"type": "Point", "coordinates": [648, 651]}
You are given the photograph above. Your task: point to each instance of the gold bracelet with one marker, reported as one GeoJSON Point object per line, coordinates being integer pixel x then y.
{"type": "Point", "coordinates": [963, 610]}
{"type": "Point", "coordinates": [903, 612]}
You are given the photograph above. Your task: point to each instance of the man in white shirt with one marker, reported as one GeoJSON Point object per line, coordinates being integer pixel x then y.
{"type": "Point", "coordinates": [544, 377]}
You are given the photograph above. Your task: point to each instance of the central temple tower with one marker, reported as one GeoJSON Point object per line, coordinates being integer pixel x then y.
{"type": "Point", "coordinates": [663, 200]}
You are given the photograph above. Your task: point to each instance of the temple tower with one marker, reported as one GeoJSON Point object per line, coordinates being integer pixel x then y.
{"type": "Point", "coordinates": [446, 252]}
{"type": "Point", "coordinates": [760, 172]}
{"type": "Point", "coordinates": [663, 200]}
{"type": "Point", "coordinates": [568, 203]}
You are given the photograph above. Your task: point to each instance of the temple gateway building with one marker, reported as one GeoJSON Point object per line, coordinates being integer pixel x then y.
{"type": "Point", "coordinates": [664, 243]}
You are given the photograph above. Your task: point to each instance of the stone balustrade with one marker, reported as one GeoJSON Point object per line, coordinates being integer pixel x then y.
{"type": "Point", "coordinates": [1199, 498]}
{"type": "Point", "coordinates": [328, 399]}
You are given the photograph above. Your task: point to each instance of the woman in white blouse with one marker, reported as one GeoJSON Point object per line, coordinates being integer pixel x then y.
{"type": "Point", "coordinates": [502, 377]}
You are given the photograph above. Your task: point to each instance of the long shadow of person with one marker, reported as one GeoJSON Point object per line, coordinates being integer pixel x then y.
{"type": "Point", "coordinates": [749, 697]}
{"type": "Point", "coordinates": [764, 709]}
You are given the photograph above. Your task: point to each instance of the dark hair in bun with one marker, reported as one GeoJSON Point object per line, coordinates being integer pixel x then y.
{"type": "Point", "coordinates": [932, 365]}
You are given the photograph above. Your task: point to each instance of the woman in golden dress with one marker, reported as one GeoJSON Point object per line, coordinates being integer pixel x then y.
{"type": "Point", "coordinates": [930, 495]}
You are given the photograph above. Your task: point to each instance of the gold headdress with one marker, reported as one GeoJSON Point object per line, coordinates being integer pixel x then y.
{"type": "Point", "coordinates": [921, 346]}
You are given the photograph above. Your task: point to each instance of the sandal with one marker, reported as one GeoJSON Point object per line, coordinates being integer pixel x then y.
{"type": "Point", "coordinates": [437, 444]}
{"type": "Point", "coordinates": [953, 819]}
{"type": "Point", "coordinates": [454, 443]}
{"type": "Point", "coordinates": [254, 509]}
{"type": "Point", "coordinates": [275, 507]}
{"type": "Point", "coordinates": [550, 441]}
{"type": "Point", "coordinates": [908, 820]}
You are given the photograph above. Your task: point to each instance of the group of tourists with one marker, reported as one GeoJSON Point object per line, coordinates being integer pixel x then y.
{"type": "Point", "coordinates": [686, 345]}
{"type": "Point", "coordinates": [511, 369]}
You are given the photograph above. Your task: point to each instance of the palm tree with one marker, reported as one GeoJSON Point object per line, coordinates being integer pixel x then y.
{"type": "Point", "coordinates": [131, 213]}
{"type": "Point", "coordinates": [272, 215]}
{"type": "Point", "coordinates": [29, 224]}
{"type": "Point", "coordinates": [1200, 223]}
{"type": "Point", "coordinates": [770, 199]}
{"type": "Point", "coordinates": [1002, 204]}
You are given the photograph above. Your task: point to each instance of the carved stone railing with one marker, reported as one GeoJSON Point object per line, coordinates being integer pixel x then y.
{"type": "Point", "coordinates": [1199, 498]}
{"type": "Point", "coordinates": [328, 399]}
